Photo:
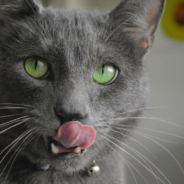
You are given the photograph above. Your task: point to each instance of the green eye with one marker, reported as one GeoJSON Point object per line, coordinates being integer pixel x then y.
{"type": "Point", "coordinates": [36, 68]}
{"type": "Point", "coordinates": [106, 74]}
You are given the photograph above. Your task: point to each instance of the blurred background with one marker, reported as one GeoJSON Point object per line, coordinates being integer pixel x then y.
{"type": "Point", "coordinates": [162, 128]}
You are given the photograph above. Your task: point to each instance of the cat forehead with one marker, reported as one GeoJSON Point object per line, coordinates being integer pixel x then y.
{"type": "Point", "coordinates": [68, 25]}
{"type": "Point", "coordinates": [72, 33]}
{"type": "Point", "coordinates": [70, 36]}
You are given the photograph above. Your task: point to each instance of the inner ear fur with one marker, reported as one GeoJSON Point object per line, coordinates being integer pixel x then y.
{"type": "Point", "coordinates": [139, 19]}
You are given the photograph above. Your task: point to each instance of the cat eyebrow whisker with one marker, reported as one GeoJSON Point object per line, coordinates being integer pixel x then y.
{"type": "Point", "coordinates": [126, 23]}
{"type": "Point", "coordinates": [134, 159]}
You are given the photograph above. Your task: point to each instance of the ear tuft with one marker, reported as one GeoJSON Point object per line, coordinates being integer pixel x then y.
{"type": "Point", "coordinates": [139, 19]}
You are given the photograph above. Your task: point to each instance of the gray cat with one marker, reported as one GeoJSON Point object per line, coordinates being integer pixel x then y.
{"type": "Point", "coordinates": [68, 80]}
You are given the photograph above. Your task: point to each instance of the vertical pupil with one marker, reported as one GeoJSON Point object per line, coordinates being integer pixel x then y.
{"type": "Point", "coordinates": [36, 63]}
{"type": "Point", "coordinates": [103, 69]}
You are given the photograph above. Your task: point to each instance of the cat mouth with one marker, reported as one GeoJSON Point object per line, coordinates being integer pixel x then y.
{"type": "Point", "coordinates": [72, 138]}
{"type": "Point", "coordinates": [58, 149]}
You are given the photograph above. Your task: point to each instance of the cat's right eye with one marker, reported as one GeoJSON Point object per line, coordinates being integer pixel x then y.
{"type": "Point", "coordinates": [36, 68]}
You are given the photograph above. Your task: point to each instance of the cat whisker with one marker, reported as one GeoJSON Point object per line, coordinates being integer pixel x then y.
{"type": "Point", "coordinates": [140, 109]}
{"type": "Point", "coordinates": [134, 141]}
{"type": "Point", "coordinates": [128, 164]}
{"type": "Point", "coordinates": [137, 170]}
{"type": "Point", "coordinates": [172, 142]}
{"type": "Point", "coordinates": [13, 121]}
{"type": "Point", "coordinates": [177, 162]}
{"type": "Point", "coordinates": [145, 118]}
{"type": "Point", "coordinates": [19, 149]}
{"type": "Point", "coordinates": [117, 127]}
{"type": "Point", "coordinates": [133, 158]}
{"type": "Point", "coordinates": [24, 134]}
{"type": "Point", "coordinates": [148, 137]}
{"type": "Point", "coordinates": [10, 107]}
{"type": "Point", "coordinates": [11, 143]}
{"type": "Point", "coordinates": [152, 130]}
{"type": "Point", "coordinates": [14, 104]}
{"type": "Point", "coordinates": [17, 139]}
{"type": "Point", "coordinates": [15, 125]}
{"type": "Point", "coordinates": [36, 142]}
{"type": "Point", "coordinates": [8, 116]}
{"type": "Point", "coordinates": [141, 156]}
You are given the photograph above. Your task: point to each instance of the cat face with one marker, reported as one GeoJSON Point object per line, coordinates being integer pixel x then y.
{"type": "Point", "coordinates": [59, 66]}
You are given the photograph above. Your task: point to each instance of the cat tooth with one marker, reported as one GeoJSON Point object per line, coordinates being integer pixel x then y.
{"type": "Point", "coordinates": [77, 150]}
{"type": "Point", "coordinates": [55, 149]}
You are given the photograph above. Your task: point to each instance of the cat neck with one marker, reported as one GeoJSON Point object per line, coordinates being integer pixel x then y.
{"type": "Point", "coordinates": [26, 172]}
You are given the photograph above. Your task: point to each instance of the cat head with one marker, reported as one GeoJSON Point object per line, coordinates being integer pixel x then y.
{"type": "Point", "coordinates": [59, 66]}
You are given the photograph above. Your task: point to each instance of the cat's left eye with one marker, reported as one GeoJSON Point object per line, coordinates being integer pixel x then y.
{"type": "Point", "coordinates": [36, 68]}
{"type": "Point", "coordinates": [106, 74]}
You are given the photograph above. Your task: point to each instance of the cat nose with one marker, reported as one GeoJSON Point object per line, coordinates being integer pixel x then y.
{"type": "Point", "coordinates": [66, 116]}
{"type": "Point", "coordinates": [72, 104]}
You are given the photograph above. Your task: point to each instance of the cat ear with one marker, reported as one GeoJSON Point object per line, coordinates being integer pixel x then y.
{"type": "Point", "coordinates": [139, 19]}
{"type": "Point", "coordinates": [17, 9]}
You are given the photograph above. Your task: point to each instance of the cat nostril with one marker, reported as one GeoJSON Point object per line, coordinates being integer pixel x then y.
{"type": "Point", "coordinates": [66, 117]}
{"type": "Point", "coordinates": [59, 113]}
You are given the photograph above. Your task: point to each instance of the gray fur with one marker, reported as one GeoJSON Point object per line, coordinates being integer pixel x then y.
{"type": "Point", "coordinates": [74, 43]}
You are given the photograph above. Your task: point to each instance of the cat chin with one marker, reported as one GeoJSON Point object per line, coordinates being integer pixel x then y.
{"type": "Point", "coordinates": [67, 164]}
{"type": "Point", "coordinates": [70, 167]}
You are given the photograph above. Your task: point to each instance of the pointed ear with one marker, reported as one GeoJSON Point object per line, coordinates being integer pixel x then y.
{"type": "Point", "coordinates": [139, 19]}
{"type": "Point", "coordinates": [17, 9]}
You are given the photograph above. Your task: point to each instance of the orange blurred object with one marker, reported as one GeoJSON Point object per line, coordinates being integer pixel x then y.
{"type": "Point", "coordinates": [180, 14]}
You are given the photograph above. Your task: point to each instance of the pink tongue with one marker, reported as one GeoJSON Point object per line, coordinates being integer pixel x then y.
{"type": "Point", "coordinates": [74, 134]}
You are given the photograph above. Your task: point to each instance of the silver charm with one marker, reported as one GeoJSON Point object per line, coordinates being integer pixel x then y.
{"type": "Point", "coordinates": [45, 168]}
{"type": "Point", "coordinates": [94, 169]}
